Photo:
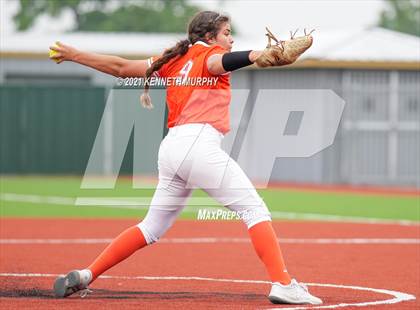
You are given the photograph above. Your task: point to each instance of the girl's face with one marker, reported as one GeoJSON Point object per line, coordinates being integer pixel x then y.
{"type": "Point", "coordinates": [223, 37]}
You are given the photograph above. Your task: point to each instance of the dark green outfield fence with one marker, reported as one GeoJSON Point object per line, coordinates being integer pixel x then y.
{"type": "Point", "coordinates": [46, 129]}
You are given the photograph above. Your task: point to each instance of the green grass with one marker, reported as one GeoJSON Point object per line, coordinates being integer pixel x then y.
{"type": "Point", "coordinates": [300, 202]}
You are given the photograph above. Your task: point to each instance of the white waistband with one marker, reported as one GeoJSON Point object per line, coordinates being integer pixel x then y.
{"type": "Point", "coordinates": [193, 129]}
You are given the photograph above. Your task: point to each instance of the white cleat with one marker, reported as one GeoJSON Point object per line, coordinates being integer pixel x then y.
{"type": "Point", "coordinates": [294, 293]}
{"type": "Point", "coordinates": [74, 281]}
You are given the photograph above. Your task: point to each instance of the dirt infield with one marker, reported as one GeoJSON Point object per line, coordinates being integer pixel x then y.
{"type": "Point", "coordinates": [210, 265]}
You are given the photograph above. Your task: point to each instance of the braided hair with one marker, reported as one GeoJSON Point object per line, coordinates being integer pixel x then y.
{"type": "Point", "coordinates": [202, 23]}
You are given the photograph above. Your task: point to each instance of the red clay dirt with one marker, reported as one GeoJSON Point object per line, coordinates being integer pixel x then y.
{"type": "Point", "coordinates": [382, 266]}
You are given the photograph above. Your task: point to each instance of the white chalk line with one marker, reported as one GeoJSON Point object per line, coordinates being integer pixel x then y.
{"type": "Point", "coordinates": [205, 240]}
{"type": "Point", "coordinates": [56, 200]}
{"type": "Point", "coordinates": [397, 296]}
{"type": "Point", "coordinates": [195, 203]}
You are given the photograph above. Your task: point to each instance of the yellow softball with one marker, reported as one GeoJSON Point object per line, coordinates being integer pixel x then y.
{"type": "Point", "coordinates": [52, 53]}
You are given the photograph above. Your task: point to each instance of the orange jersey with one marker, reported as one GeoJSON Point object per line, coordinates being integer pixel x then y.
{"type": "Point", "coordinates": [204, 98]}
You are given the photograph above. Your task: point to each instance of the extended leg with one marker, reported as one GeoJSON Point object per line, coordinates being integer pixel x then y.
{"type": "Point", "coordinates": [169, 199]}
{"type": "Point", "coordinates": [222, 178]}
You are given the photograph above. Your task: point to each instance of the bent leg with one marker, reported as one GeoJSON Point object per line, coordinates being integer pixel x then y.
{"type": "Point", "coordinates": [235, 191]}
{"type": "Point", "coordinates": [168, 200]}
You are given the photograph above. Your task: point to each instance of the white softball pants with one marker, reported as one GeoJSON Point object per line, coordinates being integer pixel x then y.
{"type": "Point", "coordinates": [190, 156]}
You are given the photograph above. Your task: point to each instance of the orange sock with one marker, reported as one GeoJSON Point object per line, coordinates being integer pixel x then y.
{"type": "Point", "coordinates": [267, 247]}
{"type": "Point", "coordinates": [120, 248]}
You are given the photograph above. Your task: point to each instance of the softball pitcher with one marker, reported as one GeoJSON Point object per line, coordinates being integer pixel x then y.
{"type": "Point", "coordinates": [190, 156]}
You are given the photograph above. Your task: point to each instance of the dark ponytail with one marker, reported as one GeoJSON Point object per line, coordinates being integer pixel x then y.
{"type": "Point", "coordinates": [201, 24]}
{"type": "Point", "coordinates": [181, 48]}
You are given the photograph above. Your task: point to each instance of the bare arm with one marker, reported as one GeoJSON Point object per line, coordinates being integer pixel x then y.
{"type": "Point", "coordinates": [214, 63]}
{"type": "Point", "coordinates": [109, 64]}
